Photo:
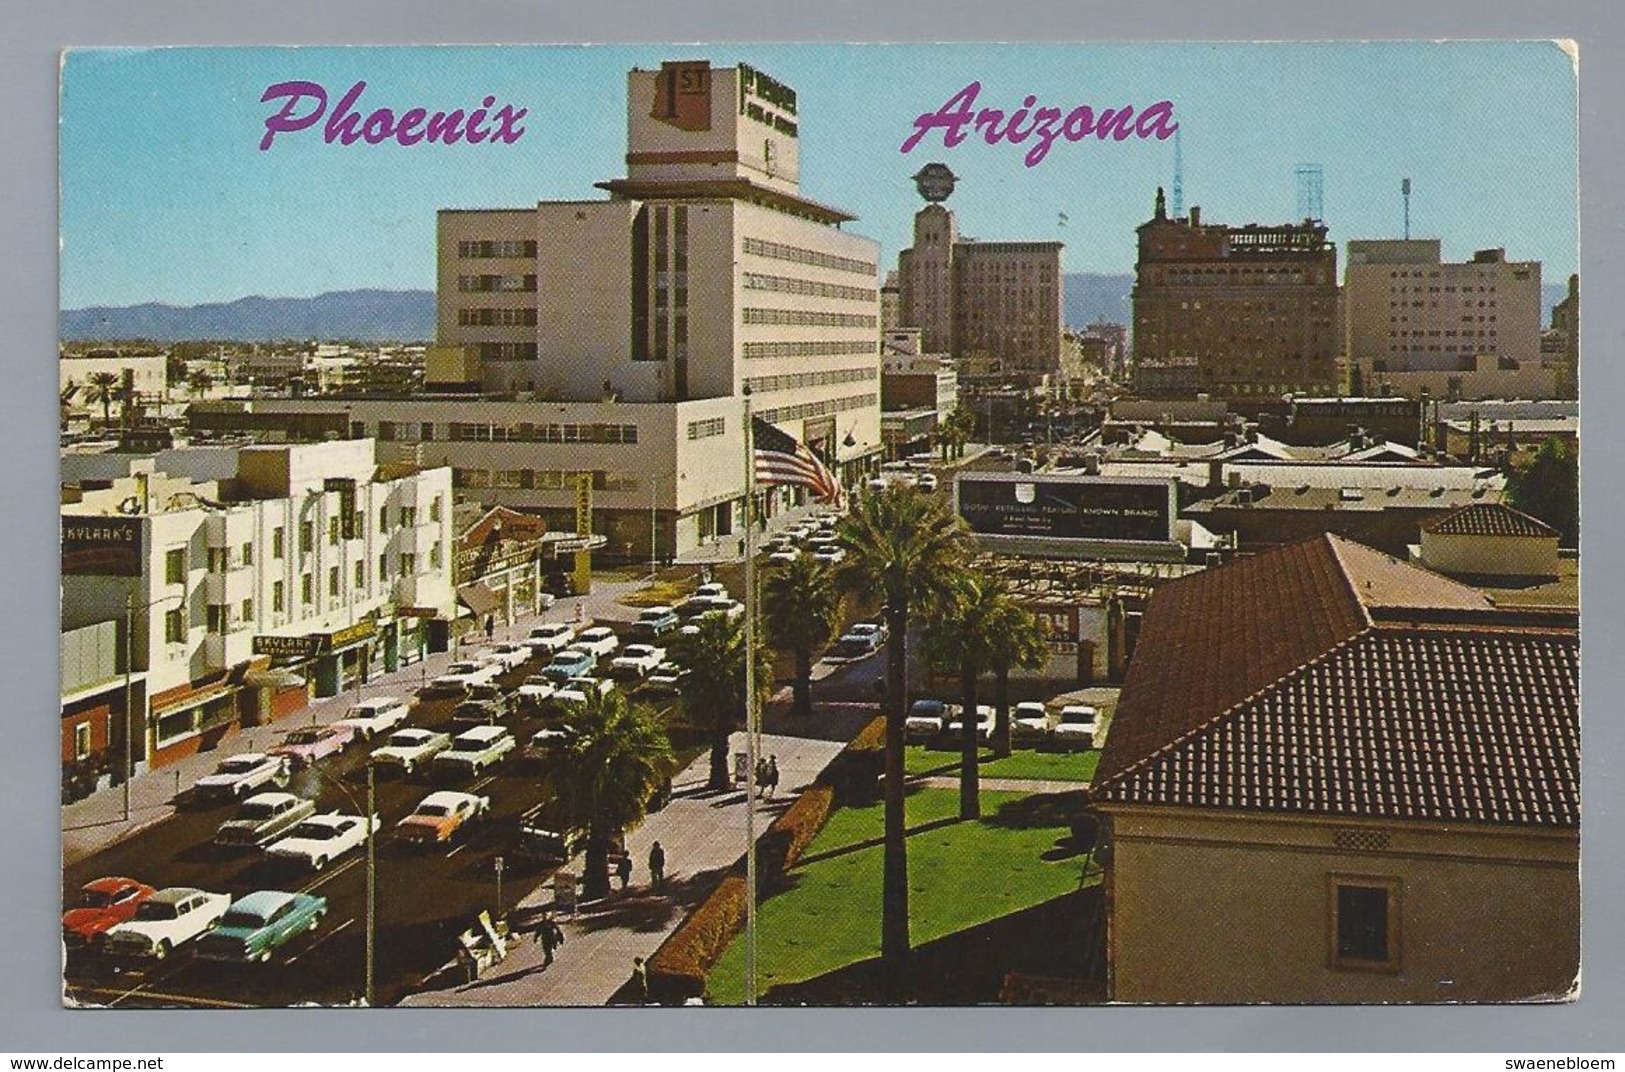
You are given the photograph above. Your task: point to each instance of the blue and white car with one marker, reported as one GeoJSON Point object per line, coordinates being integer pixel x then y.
{"type": "Point", "coordinates": [569, 663]}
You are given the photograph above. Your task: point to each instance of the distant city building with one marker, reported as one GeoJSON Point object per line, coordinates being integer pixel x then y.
{"type": "Point", "coordinates": [992, 305]}
{"type": "Point", "coordinates": [252, 572]}
{"type": "Point", "coordinates": [1372, 768]}
{"type": "Point", "coordinates": [101, 381]}
{"type": "Point", "coordinates": [1234, 311]}
{"type": "Point", "coordinates": [1468, 330]}
{"type": "Point", "coordinates": [891, 302]}
{"type": "Point", "coordinates": [917, 393]}
{"type": "Point", "coordinates": [1566, 330]}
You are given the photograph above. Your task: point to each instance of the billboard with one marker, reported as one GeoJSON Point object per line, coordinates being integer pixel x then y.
{"type": "Point", "coordinates": [1067, 507]}
{"type": "Point", "coordinates": [104, 546]}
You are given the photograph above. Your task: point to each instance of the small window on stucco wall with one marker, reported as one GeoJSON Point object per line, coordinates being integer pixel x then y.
{"type": "Point", "coordinates": [1363, 931]}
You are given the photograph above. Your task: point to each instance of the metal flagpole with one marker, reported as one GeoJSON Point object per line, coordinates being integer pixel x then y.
{"type": "Point", "coordinates": [750, 705]}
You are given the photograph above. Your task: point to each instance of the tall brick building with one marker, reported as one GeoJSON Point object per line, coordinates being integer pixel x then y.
{"type": "Point", "coordinates": [1234, 311]}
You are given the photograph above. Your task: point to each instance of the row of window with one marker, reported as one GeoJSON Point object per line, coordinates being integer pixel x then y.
{"type": "Point", "coordinates": [220, 558]}
{"type": "Point", "coordinates": [817, 409]}
{"type": "Point", "coordinates": [820, 348]}
{"type": "Point", "coordinates": [542, 479]}
{"type": "Point", "coordinates": [502, 284]}
{"type": "Point", "coordinates": [485, 318]}
{"type": "Point", "coordinates": [219, 616]}
{"type": "Point", "coordinates": [795, 254]}
{"type": "Point", "coordinates": [485, 250]}
{"type": "Point", "coordinates": [806, 319]}
{"type": "Point", "coordinates": [792, 380]}
{"type": "Point", "coordinates": [508, 351]}
{"type": "Point", "coordinates": [712, 426]}
{"type": "Point", "coordinates": [781, 284]}
{"type": "Point", "coordinates": [543, 433]}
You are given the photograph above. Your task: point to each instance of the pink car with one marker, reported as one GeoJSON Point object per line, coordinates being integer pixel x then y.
{"type": "Point", "coordinates": [305, 746]}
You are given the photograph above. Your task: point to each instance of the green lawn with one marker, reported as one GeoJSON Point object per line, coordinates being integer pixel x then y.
{"type": "Point", "coordinates": [1022, 763]}
{"type": "Point", "coordinates": [960, 875]}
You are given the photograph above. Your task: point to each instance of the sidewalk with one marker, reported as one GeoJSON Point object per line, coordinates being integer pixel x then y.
{"type": "Point", "coordinates": [702, 834]}
{"type": "Point", "coordinates": [94, 822]}
{"type": "Point", "coordinates": [1002, 785]}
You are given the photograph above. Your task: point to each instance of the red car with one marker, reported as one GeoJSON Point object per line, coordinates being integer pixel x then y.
{"type": "Point", "coordinates": [305, 746]}
{"type": "Point", "coordinates": [102, 904]}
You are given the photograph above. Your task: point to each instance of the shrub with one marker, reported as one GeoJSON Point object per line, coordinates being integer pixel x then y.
{"type": "Point", "coordinates": [790, 834]}
{"type": "Point", "coordinates": [677, 970]}
{"type": "Point", "coordinates": [855, 773]}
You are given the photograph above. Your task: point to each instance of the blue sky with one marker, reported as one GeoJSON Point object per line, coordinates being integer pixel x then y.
{"type": "Point", "coordinates": [167, 197]}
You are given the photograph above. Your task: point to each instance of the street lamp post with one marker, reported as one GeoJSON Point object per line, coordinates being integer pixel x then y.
{"type": "Point", "coordinates": [369, 817]}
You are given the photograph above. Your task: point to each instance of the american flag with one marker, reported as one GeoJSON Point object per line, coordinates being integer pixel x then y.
{"type": "Point", "coordinates": [781, 459]}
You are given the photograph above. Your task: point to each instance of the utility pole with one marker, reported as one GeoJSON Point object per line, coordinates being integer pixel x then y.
{"type": "Point", "coordinates": [372, 886]}
{"type": "Point", "coordinates": [750, 706]}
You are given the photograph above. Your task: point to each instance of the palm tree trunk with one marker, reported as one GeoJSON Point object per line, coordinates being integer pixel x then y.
{"type": "Point", "coordinates": [803, 702]}
{"type": "Point", "coordinates": [970, 804]}
{"type": "Point", "coordinates": [721, 777]}
{"type": "Point", "coordinates": [596, 885]}
{"type": "Point", "coordinates": [1001, 701]}
{"type": "Point", "coordinates": [894, 897]}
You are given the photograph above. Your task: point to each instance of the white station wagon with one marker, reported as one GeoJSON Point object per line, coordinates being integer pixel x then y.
{"type": "Point", "coordinates": [321, 839]}
{"type": "Point", "coordinates": [380, 714]}
{"type": "Point", "coordinates": [411, 748]}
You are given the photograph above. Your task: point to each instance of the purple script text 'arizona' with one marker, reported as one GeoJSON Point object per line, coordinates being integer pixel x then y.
{"type": "Point", "coordinates": [1042, 125]}
{"type": "Point", "coordinates": [304, 103]}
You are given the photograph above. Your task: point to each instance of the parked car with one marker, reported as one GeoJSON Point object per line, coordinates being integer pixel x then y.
{"type": "Point", "coordinates": [509, 656]}
{"type": "Point", "coordinates": [714, 589]}
{"type": "Point", "coordinates": [410, 749]}
{"type": "Point", "coordinates": [637, 660]}
{"type": "Point", "coordinates": [925, 721]}
{"type": "Point", "coordinates": [102, 904]}
{"type": "Point", "coordinates": [784, 554]}
{"type": "Point", "coordinates": [545, 741]}
{"type": "Point", "coordinates": [575, 690]}
{"type": "Point", "coordinates": [600, 640]}
{"type": "Point", "coordinates": [928, 482]}
{"type": "Point", "coordinates": [547, 639]}
{"type": "Point", "coordinates": [1076, 727]}
{"type": "Point", "coordinates": [370, 717]}
{"type": "Point", "coordinates": [667, 679]}
{"type": "Point", "coordinates": [262, 818]}
{"type": "Point", "coordinates": [1029, 723]}
{"type": "Point", "coordinates": [307, 744]}
{"type": "Point", "coordinates": [442, 816]}
{"type": "Point", "coordinates": [486, 712]}
{"type": "Point", "coordinates": [654, 623]}
{"type": "Point", "coordinates": [240, 775]}
{"type": "Point", "coordinates": [256, 925]}
{"type": "Point", "coordinates": [536, 690]}
{"type": "Point", "coordinates": [878, 630]}
{"type": "Point", "coordinates": [571, 662]}
{"type": "Point", "coordinates": [855, 645]}
{"type": "Point", "coordinates": [545, 845]}
{"type": "Point", "coordinates": [459, 676]}
{"type": "Point", "coordinates": [474, 750]}
{"type": "Point", "coordinates": [984, 723]}
{"type": "Point", "coordinates": [698, 604]}
{"type": "Point", "coordinates": [829, 555]}
{"type": "Point", "coordinates": [166, 921]}
{"type": "Point", "coordinates": [321, 839]}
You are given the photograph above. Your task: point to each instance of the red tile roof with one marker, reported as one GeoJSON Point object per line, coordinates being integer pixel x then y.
{"type": "Point", "coordinates": [1286, 683]}
{"type": "Point", "coordinates": [1490, 519]}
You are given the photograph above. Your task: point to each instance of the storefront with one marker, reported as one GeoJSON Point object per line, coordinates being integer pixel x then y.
{"type": "Point", "coordinates": [191, 718]}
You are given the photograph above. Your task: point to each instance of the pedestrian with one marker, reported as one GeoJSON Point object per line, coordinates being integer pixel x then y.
{"type": "Point", "coordinates": [490, 626]}
{"type": "Point", "coordinates": [623, 869]}
{"type": "Point", "coordinates": [772, 776]}
{"type": "Point", "coordinates": [640, 980]}
{"type": "Point", "coordinates": [741, 547]}
{"type": "Point", "coordinates": [760, 778]}
{"type": "Point", "coordinates": [657, 865]}
{"type": "Point", "coordinates": [546, 937]}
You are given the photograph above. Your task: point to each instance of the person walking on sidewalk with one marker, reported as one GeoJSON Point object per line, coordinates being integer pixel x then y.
{"type": "Point", "coordinates": [772, 777]}
{"type": "Point", "coordinates": [657, 865]}
{"type": "Point", "coordinates": [490, 626]}
{"type": "Point", "coordinates": [547, 936]}
{"type": "Point", "coordinates": [623, 869]}
{"type": "Point", "coordinates": [640, 980]}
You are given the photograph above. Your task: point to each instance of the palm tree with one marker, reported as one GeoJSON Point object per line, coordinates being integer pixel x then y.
{"type": "Point", "coordinates": [905, 548]}
{"type": "Point", "coordinates": [104, 389]}
{"type": "Point", "coordinates": [715, 697]}
{"type": "Point", "coordinates": [605, 772]}
{"type": "Point", "coordinates": [959, 639]}
{"type": "Point", "coordinates": [199, 382]}
{"type": "Point", "coordinates": [800, 607]}
{"type": "Point", "coordinates": [1017, 639]}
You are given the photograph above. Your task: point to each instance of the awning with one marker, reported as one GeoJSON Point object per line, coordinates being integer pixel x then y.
{"type": "Point", "coordinates": [276, 678]}
{"type": "Point", "coordinates": [479, 599]}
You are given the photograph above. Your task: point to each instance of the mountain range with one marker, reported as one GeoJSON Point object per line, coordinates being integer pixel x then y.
{"type": "Point", "coordinates": [375, 316]}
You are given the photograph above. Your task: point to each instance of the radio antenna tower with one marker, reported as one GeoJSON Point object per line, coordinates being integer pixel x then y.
{"type": "Point", "coordinates": [1405, 192]}
{"type": "Point", "coordinates": [1309, 190]}
{"type": "Point", "coordinates": [1179, 178]}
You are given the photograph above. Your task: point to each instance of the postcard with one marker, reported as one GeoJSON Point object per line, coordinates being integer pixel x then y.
{"type": "Point", "coordinates": [819, 525]}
